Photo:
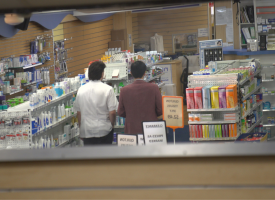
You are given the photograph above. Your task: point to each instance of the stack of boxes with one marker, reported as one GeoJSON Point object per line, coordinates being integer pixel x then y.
{"type": "Point", "coordinates": [119, 39]}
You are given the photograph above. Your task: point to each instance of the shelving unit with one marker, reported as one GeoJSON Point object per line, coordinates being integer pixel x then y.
{"type": "Point", "coordinates": [26, 67]}
{"type": "Point", "coordinates": [222, 79]}
{"type": "Point", "coordinates": [14, 92]}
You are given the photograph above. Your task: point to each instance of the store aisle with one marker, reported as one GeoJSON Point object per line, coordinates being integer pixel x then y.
{"type": "Point", "coordinates": [182, 135]}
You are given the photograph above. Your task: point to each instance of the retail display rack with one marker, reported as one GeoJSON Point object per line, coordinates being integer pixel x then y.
{"type": "Point", "coordinates": [221, 78]}
{"type": "Point", "coordinates": [53, 129]}
{"type": "Point", "coordinates": [268, 74]}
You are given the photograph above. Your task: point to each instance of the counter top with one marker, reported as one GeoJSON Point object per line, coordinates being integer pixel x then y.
{"type": "Point", "coordinates": [243, 52]}
{"type": "Point", "coordinates": [166, 151]}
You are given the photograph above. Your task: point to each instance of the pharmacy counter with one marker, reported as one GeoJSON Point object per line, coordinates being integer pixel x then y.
{"type": "Point", "coordinates": [184, 171]}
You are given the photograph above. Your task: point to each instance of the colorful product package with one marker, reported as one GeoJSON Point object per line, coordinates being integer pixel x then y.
{"type": "Point", "coordinates": [198, 97]}
{"type": "Point", "coordinates": [191, 117]}
{"type": "Point", "coordinates": [212, 131]}
{"type": "Point", "coordinates": [226, 129]}
{"type": "Point", "coordinates": [190, 98]}
{"type": "Point", "coordinates": [223, 130]}
{"type": "Point", "coordinates": [191, 131]}
{"type": "Point", "coordinates": [222, 97]}
{"type": "Point", "coordinates": [197, 117]}
{"type": "Point", "coordinates": [207, 131]}
{"type": "Point", "coordinates": [215, 97]}
{"type": "Point", "coordinates": [206, 99]}
{"type": "Point", "coordinates": [235, 133]}
{"type": "Point", "coordinates": [218, 133]}
{"type": "Point", "coordinates": [204, 131]}
{"type": "Point", "coordinates": [199, 133]}
{"type": "Point", "coordinates": [231, 96]}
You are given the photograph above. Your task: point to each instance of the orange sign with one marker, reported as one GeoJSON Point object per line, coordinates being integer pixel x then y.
{"type": "Point", "coordinates": [172, 111]}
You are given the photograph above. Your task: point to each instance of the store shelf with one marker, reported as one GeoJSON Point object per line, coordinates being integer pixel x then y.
{"type": "Point", "coordinates": [266, 125]}
{"type": "Point", "coordinates": [54, 101]}
{"type": "Point", "coordinates": [122, 126]}
{"type": "Point", "coordinates": [251, 110]}
{"type": "Point", "coordinates": [212, 139]}
{"type": "Point", "coordinates": [155, 77]}
{"type": "Point", "coordinates": [54, 125]}
{"type": "Point", "coordinates": [268, 110]}
{"type": "Point", "coordinates": [255, 90]}
{"type": "Point", "coordinates": [32, 83]}
{"type": "Point", "coordinates": [68, 142]}
{"type": "Point", "coordinates": [247, 23]}
{"type": "Point", "coordinates": [213, 110]}
{"type": "Point", "coordinates": [244, 81]}
{"type": "Point", "coordinates": [152, 64]}
{"type": "Point", "coordinates": [14, 92]}
{"type": "Point", "coordinates": [267, 94]}
{"type": "Point", "coordinates": [26, 67]}
{"type": "Point", "coordinates": [214, 122]}
{"type": "Point", "coordinates": [256, 124]}
{"type": "Point", "coordinates": [115, 79]}
{"type": "Point", "coordinates": [268, 80]}
{"type": "Point", "coordinates": [161, 85]}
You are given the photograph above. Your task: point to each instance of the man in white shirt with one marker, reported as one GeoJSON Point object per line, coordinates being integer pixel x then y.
{"type": "Point", "coordinates": [96, 106]}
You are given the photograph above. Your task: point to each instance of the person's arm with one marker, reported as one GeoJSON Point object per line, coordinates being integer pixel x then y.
{"type": "Point", "coordinates": [158, 102]}
{"type": "Point", "coordinates": [112, 106]}
{"type": "Point", "coordinates": [121, 110]}
{"type": "Point", "coordinates": [112, 116]}
{"type": "Point", "coordinates": [79, 118]}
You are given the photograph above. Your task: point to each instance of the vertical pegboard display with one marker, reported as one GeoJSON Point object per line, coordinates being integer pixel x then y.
{"type": "Point", "coordinates": [21, 44]}
{"type": "Point", "coordinates": [15, 130]}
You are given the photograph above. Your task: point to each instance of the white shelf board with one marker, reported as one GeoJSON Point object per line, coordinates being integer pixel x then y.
{"type": "Point", "coordinates": [268, 80]}
{"type": "Point", "coordinates": [32, 83]}
{"type": "Point", "coordinates": [251, 110]}
{"type": "Point", "coordinates": [54, 101]}
{"type": "Point", "coordinates": [266, 125]}
{"type": "Point", "coordinates": [212, 139]}
{"type": "Point", "coordinates": [115, 79]}
{"type": "Point", "coordinates": [213, 110]}
{"type": "Point", "coordinates": [255, 90]}
{"type": "Point", "coordinates": [122, 126]}
{"type": "Point", "coordinates": [256, 124]}
{"type": "Point", "coordinates": [67, 142]}
{"type": "Point", "coordinates": [14, 92]}
{"type": "Point", "coordinates": [214, 122]}
{"type": "Point", "coordinates": [26, 67]}
{"type": "Point", "coordinates": [268, 110]}
{"type": "Point", "coordinates": [54, 125]}
{"type": "Point", "coordinates": [267, 94]}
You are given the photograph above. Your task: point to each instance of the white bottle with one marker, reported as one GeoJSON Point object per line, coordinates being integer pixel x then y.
{"type": "Point", "coordinates": [62, 111]}
{"type": "Point", "coordinates": [47, 119]}
{"type": "Point", "coordinates": [115, 89]}
{"type": "Point", "coordinates": [54, 115]}
{"type": "Point", "coordinates": [50, 118]}
{"type": "Point", "coordinates": [48, 143]}
{"type": "Point", "coordinates": [59, 112]}
{"type": "Point", "coordinates": [52, 144]}
{"type": "Point", "coordinates": [41, 121]}
{"type": "Point", "coordinates": [31, 101]}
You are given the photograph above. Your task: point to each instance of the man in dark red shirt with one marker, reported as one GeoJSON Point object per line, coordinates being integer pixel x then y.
{"type": "Point", "coordinates": [139, 101]}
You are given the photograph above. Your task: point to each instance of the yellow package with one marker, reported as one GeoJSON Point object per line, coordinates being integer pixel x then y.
{"type": "Point", "coordinates": [231, 96]}
{"type": "Point", "coordinates": [203, 131]}
{"type": "Point", "coordinates": [206, 131]}
{"type": "Point", "coordinates": [215, 96]}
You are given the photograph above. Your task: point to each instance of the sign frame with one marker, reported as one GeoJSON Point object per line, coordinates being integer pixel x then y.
{"type": "Point", "coordinates": [155, 121]}
{"type": "Point", "coordinates": [163, 110]}
{"type": "Point", "coordinates": [127, 135]}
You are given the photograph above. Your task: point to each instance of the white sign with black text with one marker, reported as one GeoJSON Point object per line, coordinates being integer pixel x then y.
{"type": "Point", "coordinates": [126, 140]}
{"type": "Point", "coordinates": [154, 132]}
{"type": "Point", "coordinates": [140, 140]}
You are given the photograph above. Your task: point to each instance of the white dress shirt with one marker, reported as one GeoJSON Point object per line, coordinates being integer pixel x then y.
{"type": "Point", "coordinates": [95, 100]}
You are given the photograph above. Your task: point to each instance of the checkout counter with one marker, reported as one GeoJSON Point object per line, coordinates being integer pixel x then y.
{"type": "Point", "coordinates": [183, 171]}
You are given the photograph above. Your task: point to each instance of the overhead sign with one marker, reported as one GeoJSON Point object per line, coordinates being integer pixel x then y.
{"type": "Point", "coordinates": [126, 140]}
{"type": "Point", "coordinates": [172, 110]}
{"type": "Point", "coordinates": [140, 140]}
{"type": "Point", "coordinates": [154, 132]}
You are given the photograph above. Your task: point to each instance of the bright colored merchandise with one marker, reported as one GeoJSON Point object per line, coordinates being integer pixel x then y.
{"type": "Point", "coordinates": [222, 97]}
{"type": "Point", "coordinates": [206, 99]}
{"type": "Point", "coordinates": [198, 97]}
{"type": "Point", "coordinates": [215, 97]}
{"type": "Point", "coordinates": [231, 96]}
{"type": "Point", "coordinates": [190, 98]}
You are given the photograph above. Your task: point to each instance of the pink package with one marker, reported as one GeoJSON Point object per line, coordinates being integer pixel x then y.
{"type": "Point", "coordinates": [192, 131]}
{"type": "Point", "coordinates": [198, 97]}
{"type": "Point", "coordinates": [222, 97]}
{"type": "Point", "coordinates": [200, 131]}
{"type": "Point", "coordinates": [190, 98]}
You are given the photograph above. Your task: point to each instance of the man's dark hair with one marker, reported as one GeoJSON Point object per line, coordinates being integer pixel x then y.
{"type": "Point", "coordinates": [138, 69]}
{"type": "Point", "coordinates": [95, 70]}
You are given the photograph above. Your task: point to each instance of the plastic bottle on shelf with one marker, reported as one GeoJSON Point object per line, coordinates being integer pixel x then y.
{"type": "Point", "coordinates": [115, 89]}
{"type": "Point", "coordinates": [59, 112]}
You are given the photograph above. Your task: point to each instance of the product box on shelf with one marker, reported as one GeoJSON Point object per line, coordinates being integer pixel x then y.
{"type": "Point", "coordinates": [117, 44]}
{"type": "Point", "coordinates": [252, 137]}
{"type": "Point", "coordinates": [215, 96]}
